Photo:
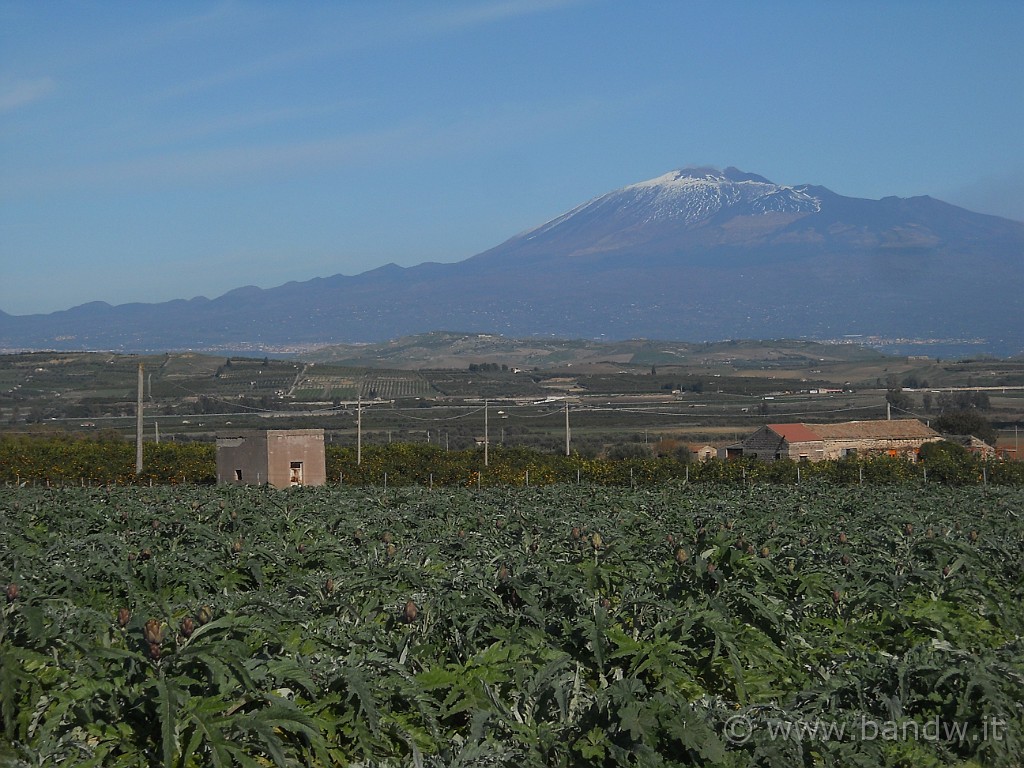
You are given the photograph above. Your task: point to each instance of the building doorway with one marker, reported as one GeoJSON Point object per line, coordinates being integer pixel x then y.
{"type": "Point", "coordinates": [295, 477]}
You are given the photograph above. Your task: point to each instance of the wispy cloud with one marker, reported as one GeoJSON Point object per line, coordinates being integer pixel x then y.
{"type": "Point", "coordinates": [358, 35]}
{"type": "Point", "coordinates": [407, 142]}
{"type": "Point", "coordinates": [14, 95]}
{"type": "Point", "coordinates": [193, 127]}
{"type": "Point", "coordinates": [488, 13]}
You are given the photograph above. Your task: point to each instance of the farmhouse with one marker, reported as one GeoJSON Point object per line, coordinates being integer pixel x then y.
{"type": "Point", "coordinates": [278, 457]}
{"type": "Point", "coordinates": [817, 442]}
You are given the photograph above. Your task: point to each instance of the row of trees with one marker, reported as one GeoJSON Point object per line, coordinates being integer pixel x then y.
{"type": "Point", "coordinates": [72, 462]}
{"type": "Point", "coordinates": [945, 403]}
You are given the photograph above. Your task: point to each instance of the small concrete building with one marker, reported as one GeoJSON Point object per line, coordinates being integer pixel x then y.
{"type": "Point", "coordinates": [817, 442]}
{"type": "Point", "coordinates": [278, 457]}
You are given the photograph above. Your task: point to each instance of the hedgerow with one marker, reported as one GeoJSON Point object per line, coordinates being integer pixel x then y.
{"type": "Point", "coordinates": [69, 461]}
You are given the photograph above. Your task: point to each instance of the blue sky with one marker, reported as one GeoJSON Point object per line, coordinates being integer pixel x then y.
{"type": "Point", "coordinates": [153, 150]}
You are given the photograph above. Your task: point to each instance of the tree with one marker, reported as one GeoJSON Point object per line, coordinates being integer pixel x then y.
{"type": "Point", "coordinates": [966, 423]}
{"type": "Point", "coordinates": [935, 451]}
{"type": "Point", "coordinates": [949, 463]}
{"type": "Point", "coordinates": [629, 451]}
{"type": "Point", "coordinates": [896, 397]}
{"type": "Point", "coordinates": [963, 400]}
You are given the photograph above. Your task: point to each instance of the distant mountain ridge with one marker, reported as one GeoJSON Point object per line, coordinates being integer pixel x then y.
{"type": "Point", "coordinates": [695, 254]}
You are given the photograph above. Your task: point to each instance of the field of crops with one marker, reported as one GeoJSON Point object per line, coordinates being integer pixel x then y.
{"type": "Point", "coordinates": [558, 626]}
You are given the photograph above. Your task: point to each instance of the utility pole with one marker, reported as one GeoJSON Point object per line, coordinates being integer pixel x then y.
{"type": "Point", "coordinates": [567, 433]}
{"type": "Point", "coordinates": [138, 426]}
{"type": "Point", "coordinates": [359, 426]}
{"type": "Point", "coordinates": [485, 432]}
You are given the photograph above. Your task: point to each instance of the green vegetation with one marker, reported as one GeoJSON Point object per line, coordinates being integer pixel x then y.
{"type": "Point", "coordinates": [723, 625]}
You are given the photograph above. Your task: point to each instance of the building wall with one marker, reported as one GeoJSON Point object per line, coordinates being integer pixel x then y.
{"type": "Point", "coordinates": [810, 450]}
{"type": "Point", "coordinates": [766, 445]}
{"type": "Point", "coordinates": [267, 456]}
{"type": "Point", "coordinates": [763, 444]}
{"type": "Point", "coordinates": [304, 446]}
{"type": "Point", "coordinates": [836, 448]}
{"type": "Point", "coordinates": [244, 453]}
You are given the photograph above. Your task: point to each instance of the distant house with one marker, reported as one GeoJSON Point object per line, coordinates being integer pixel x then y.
{"type": "Point", "coordinates": [817, 442]}
{"type": "Point", "coordinates": [278, 457]}
{"type": "Point", "coordinates": [703, 452]}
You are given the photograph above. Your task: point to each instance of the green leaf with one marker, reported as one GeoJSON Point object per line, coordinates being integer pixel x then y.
{"type": "Point", "coordinates": [167, 707]}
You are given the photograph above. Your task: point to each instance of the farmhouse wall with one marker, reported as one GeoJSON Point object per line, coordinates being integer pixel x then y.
{"type": "Point", "coordinates": [899, 437]}
{"type": "Point", "coordinates": [810, 450]}
{"type": "Point", "coordinates": [836, 448]}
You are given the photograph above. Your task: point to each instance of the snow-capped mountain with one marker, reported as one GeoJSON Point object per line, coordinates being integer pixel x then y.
{"type": "Point", "coordinates": [695, 254]}
{"type": "Point", "coordinates": [693, 195]}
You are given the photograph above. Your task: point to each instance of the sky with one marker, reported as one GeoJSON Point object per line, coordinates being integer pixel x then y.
{"type": "Point", "coordinates": [151, 151]}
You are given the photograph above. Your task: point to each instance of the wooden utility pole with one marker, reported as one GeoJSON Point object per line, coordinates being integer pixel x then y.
{"type": "Point", "coordinates": [138, 427]}
{"type": "Point", "coordinates": [359, 426]}
{"type": "Point", "coordinates": [566, 427]}
{"type": "Point", "coordinates": [485, 433]}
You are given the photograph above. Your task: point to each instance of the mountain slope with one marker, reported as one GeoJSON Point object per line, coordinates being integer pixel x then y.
{"type": "Point", "coordinates": [696, 254]}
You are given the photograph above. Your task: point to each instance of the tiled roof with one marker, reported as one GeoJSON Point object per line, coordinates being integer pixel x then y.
{"type": "Point", "coordinates": [796, 433]}
{"type": "Point", "coordinates": [897, 429]}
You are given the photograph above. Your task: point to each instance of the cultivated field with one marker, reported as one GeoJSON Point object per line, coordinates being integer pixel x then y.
{"type": "Point", "coordinates": [626, 393]}
{"type": "Point", "coordinates": [558, 626]}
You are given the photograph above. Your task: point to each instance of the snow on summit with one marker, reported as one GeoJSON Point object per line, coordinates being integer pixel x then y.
{"type": "Point", "coordinates": [694, 195]}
